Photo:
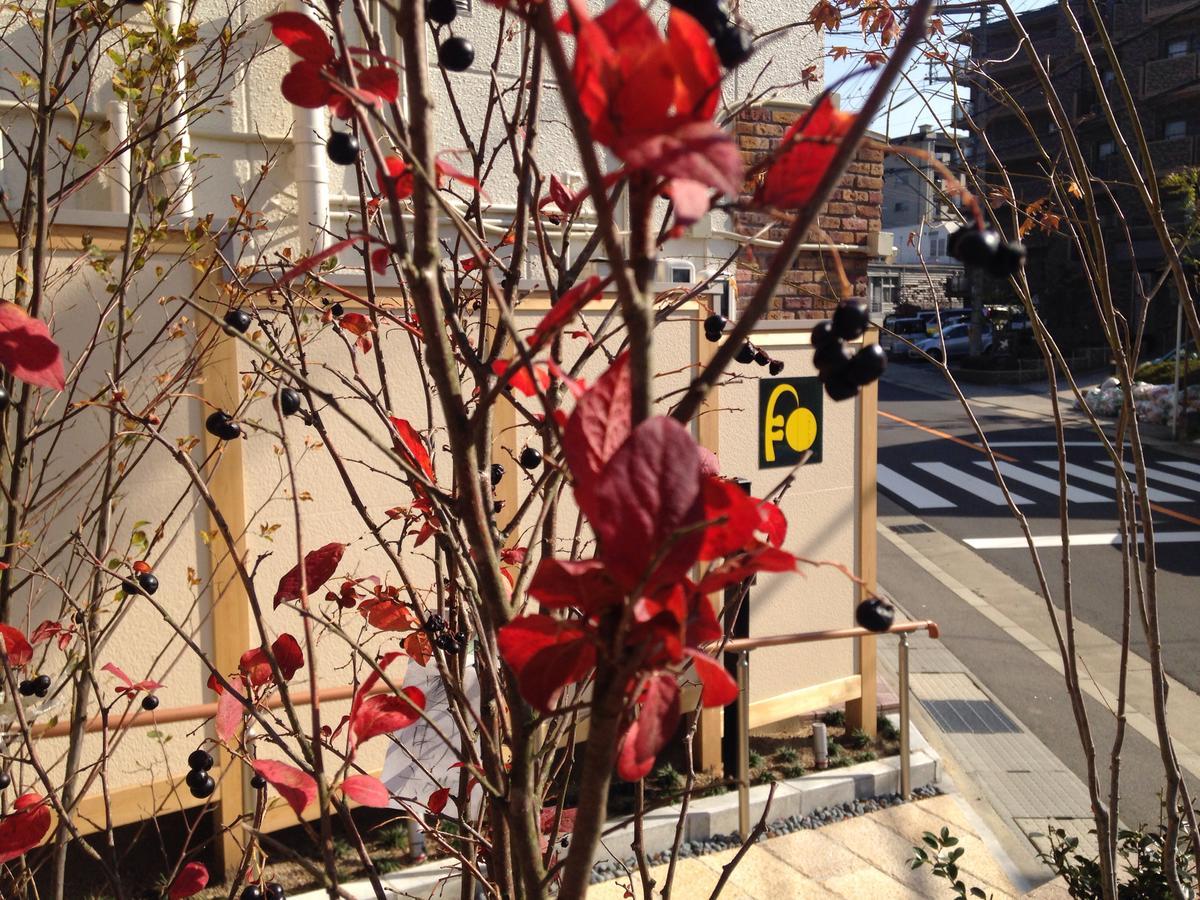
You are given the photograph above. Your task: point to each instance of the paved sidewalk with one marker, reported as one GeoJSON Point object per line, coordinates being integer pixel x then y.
{"type": "Point", "coordinates": [864, 857]}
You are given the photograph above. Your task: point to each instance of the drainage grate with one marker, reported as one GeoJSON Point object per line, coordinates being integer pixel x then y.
{"type": "Point", "coordinates": [916, 528]}
{"type": "Point", "coordinates": [969, 716]}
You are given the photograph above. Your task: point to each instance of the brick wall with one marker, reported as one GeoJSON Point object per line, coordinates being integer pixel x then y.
{"type": "Point", "coordinates": [811, 287]}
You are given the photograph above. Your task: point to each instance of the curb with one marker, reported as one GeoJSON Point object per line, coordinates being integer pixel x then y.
{"type": "Point", "coordinates": [706, 818]}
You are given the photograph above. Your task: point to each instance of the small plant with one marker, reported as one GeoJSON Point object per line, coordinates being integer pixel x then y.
{"type": "Point", "coordinates": [858, 739]}
{"type": "Point", "coordinates": [666, 780]}
{"type": "Point", "coordinates": [756, 760]}
{"type": "Point", "coordinates": [787, 755]}
{"type": "Point", "coordinates": [1141, 853]}
{"type": "Point", "coordinates": [394, 837]}
{"type": "Point", "coordinates": [764, 777]}
{"type": "Point", "coordinates": [942, 853]}
{"type": "Point", "coordinates": [834, 718]}
{"type": "Point", "coordinates": [865, 756]}
{"type": "Point", "coordinates": [885, 728]}
{"type": "Point", "coordinates": [793, 771]}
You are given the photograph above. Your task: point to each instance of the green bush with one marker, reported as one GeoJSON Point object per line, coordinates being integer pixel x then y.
{"type": "Point", "coordinates": [886, 729]}
{"type": "Point", "coordinates": [787, 754]}
{"type": "Point", "coordinates": [857, 739]}
{"type": "Point", "coordinates": [756, 759]}
{"type": "Point", "coordinates": [834, 718]}
{"type": "Point", "coordinates": [793, 771]}
{"type": "Point", "coordinates": [1164, 372]}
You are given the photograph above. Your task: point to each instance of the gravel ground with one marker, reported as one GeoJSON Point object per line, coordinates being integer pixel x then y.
{"type": "Point", "coordinates": [609, 869]}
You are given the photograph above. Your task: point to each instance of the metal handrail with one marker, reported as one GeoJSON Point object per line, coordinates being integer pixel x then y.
{"type": "Point", "coordinates": [743, 646]}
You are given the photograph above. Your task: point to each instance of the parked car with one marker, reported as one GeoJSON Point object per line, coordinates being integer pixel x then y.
{"type": "Point", "coordinates": [957, 341]}
{"type": "Point", "coordinates": [912, 329]}
{"type": "Point", "coordinates": [948, 317]}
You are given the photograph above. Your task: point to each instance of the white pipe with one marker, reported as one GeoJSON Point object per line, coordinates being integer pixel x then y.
{"type": "Point", "coordinates": [310, 170]}
{"type": "Point", "coordinates": [178, 128]}
{"type": "Point", "coordinates": [119, 179]}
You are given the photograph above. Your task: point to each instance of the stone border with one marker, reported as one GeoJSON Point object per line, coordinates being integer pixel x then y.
{"type": "Point", "coordinates": [707, 818]}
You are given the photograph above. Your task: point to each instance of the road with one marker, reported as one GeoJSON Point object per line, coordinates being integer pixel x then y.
{"type": "Point", "coordinates": [933, 476]}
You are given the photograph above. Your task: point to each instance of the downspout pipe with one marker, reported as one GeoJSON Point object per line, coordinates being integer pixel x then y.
{"type": "Point", "coordinates": [310, 171]}
{"type": "Point", "coordinates": [119, 179]}
{"type": "Point", "coordinates": [178, 127]}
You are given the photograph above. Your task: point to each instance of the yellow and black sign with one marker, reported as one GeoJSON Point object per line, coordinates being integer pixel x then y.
{"type": "Point", "coordinates": [789, 416]}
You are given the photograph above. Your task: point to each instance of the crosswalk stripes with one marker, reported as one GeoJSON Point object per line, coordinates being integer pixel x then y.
{"type": "Point", "coordinates": [1044, 483]}
{"type": "Point", "coordinates": [1186, 466]}
{"type": "Point", "coordinates": [1189, 484]}
{"type": "Point", "coordinates": [1155, 495]}
{"type": "Point", "coordinates": [984, 490]}
{"type": "Point", "coordinates": [908, 490]}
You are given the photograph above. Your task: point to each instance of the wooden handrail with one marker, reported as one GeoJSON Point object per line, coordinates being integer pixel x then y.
{"type": "Point", "coordinates": [807, 637]}
{"type": "Point", "coordinates": [191, 713]}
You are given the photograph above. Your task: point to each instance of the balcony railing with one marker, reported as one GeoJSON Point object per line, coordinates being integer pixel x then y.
{"type": "Point", "coordinates": [1161, 75]}
{"type": "Point", "coordinates": [1172, 153]}
{"type": "Point", "coordinates": [1156, 9]}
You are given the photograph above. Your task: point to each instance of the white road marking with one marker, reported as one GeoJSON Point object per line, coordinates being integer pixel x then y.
{"type": "Point", "coordinates": [1186, 466]}
{"type": "Point", "coordinates": [1042, 483]}
{"type": "Point", "coordinates": [1043, 443]}
{"type": "Point", "coordinates": [985, 490]}
{"type": "Point", "coordinates": [1077, 471]}
{"type": "Point", "coordinates": [1188, 484]}
{"type": "Point", "coordinates": [909, 491]}
{"type": "Point", "coordinates": [1079, 540]}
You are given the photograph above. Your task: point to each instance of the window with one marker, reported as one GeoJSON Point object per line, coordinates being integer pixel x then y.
{"type": "Point", "coordinates": [937, 243]}
{"type": "Point", "coordinates": [899, 207]}
{"type": "Point", "coordinates": [1179, 47]}
{"type": "Point", "coordinates": [1105, 149]}
{"type": "Point", "coordinates": [1175, 128]}
{"type": "Point", "coordinates": [1108, 78]}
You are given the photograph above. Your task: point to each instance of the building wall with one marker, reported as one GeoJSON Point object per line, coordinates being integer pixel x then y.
{"type": "Point", "coordinates": [849, 220]}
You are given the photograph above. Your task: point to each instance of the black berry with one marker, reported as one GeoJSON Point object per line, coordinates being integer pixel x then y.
{"type": "Point", "coordinates": [850, 319]}
{"type": "Point", "coordinates": [441, 11]}
{"type": "Point", "coordinates": [275, 891]}
{"type": "Point", "coordinates": [456, 54]}
{"type": "Point", "coordinates": [131, 587]}
{"type": "Point", "coordinates": [713, 337]}
{"type": "Point", "coordinates": [776, 366]}
{"type": "Point", "coordinates": [150, 703]}
{"type": "Point", "coordinates": [867, 365]}
{"type": "Point", "coordinates": [342, 148]}
{"type": "Point", "coordinates": [289, 401]}
{"type": "Point", "coordinates": [734, 46]}
{"type": "Point", "coordinates": [822, 335]}
{"type": "Point", "coordinates": [258, 782]}
{"type": "Point", "coordinates": [252, 892]}
{"type": "Point", "coordinates": [973, 246]}
{"type": "Point", "coordinates": [761, 358]}
{"type": "Point", "coordinates": [530, 458]}
{"type": "Point", "coordinates": [497, 473]}
{"type": "Point", "coordinates": [716, 322]}
{"type": "Point", "coordinates": [41, 685]}
{"type": "Point", "coordinates": [238, 320]}
{"type": "Point", "coordinates": [202, 785]}
{"type": "Point", "coordinates": [337, 310]}
{"type": "Point", "coordinates": [875, 614]}
{"type": "Point", "coordinates": [831, 358]}
{"type": "Point", "coordinates": [714, 17]}
{"type": "Point", "coordinates": [200, 759]}
{"type": "Point", "coordinates": [435, 623]}
{"type": "Point", "coordinates": [746, 353]}
{"type": "Point", "coordinates": [839, 387]}
{"type": "Point", "coordinates": [148, 582]}
{"type": "Point", "coordinates": [446, 643]}
{"type": "Point", "coordinates": [27, 688]}
{"type": "Point", "coordinates": [1008, 259]}
{"type": "Point", "coordinates": [221, 425]}
{"type": "Point", "coordinates": [461, 637]}
{"type": "Point", "coordinates": [5, 780]}
{"type": "Point", "coordinates": [3, 398]}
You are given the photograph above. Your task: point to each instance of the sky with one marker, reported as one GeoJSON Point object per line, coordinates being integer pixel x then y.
{"type": "Point", "coordinates": [917, 99]}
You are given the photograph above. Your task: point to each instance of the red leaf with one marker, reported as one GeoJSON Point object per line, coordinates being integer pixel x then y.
{"type": "Point", "coordinates": [319, 566]}
{"type": "Point", "coordinates": [26, 349]}
{"type": "Point", "coordinates": [381, 82]}
{"type": "Point", "coordinates": [647, 493]}
{"type": "Point", "coordinates": [418, 647]}
{"type": "Point", "coordinates": [192, 879]}
{"type": "Point", "coordinates": [298, 788]}
{"type": "Point", "coordinates": [811, 144]}
{"type": "Point", "coordinates": [697, 151]}
{"type": "Point", "coordinates": [698, 88]}
{"type": "Point", "coordinates": [691, 198]}
{"type": "Point", "coordinates": [761, 558]}
{"type": "Point", "coordinates": [718, 687]}
{"type": "Point", "coordinates": [311, 262]}
{"type": "Point", "coordinates": [380, 258]}
{"type": "Point", "coordinates": [24, 829]}
{"type": "Point", "coordinates": [560, 583]}
{"type": "Point", "coordinates": [305, 86]}
{"type": "Point", "coordinates": [411, 447]}
{"type": "Point", "coordinates": [774, 525]}
{"type": "Point", "coordinates": [447, 171]}
{"type": "Point", "coordinates": [739, 517]}
{"type": "Point", "coordinates": [356, 323]}
{"type": "Point", "coordinates": [387, 614]}
{"type": "Point", "coordinates": [561, 197]}
{"type": "Point", "coordinates": [396, 177]}
{"type": "Point", "coordinates": [16, 647]}
{"type": "Point", "coordinates": [116, 670]}
{"type": "Point", "coordinates": [546, 655]}
{"type": "Point", "coordinates": [564, 310]}
{"type": "Point", "coordinates": [438, 799]}
{"type": "Point", "coordinates": [522, 380]}
{"type": "Point", "coordinates": [367, 790]}
{"type": "Point", "coordinates": [302, 36]}
{"type": "Point", "coordinates": [599, 425]}
{"type": "Point", "coordinates": [650, 731]}
{"type": "Point", "coordinates": [255, 665]}
{"type": "Point", "coordinates": [383, 714]}
{"type": "Point", "coordinates": [230, 709]}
